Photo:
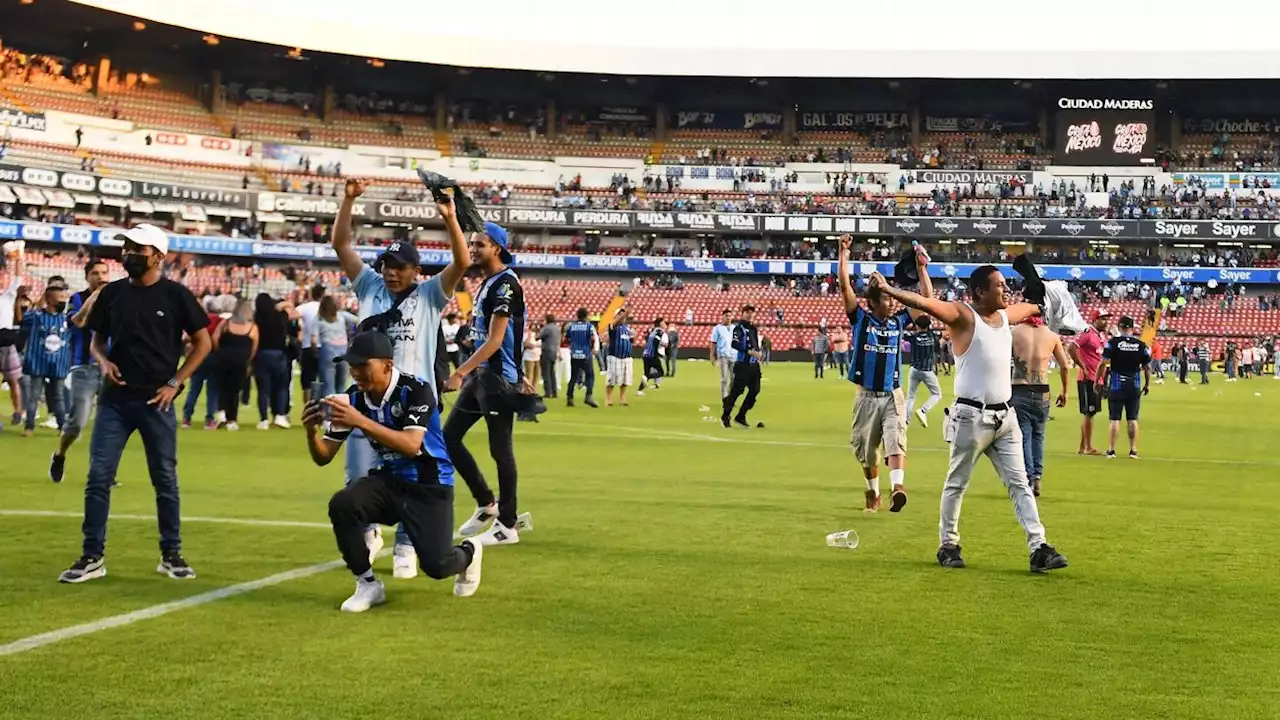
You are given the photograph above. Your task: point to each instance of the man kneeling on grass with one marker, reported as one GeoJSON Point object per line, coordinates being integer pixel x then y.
{"type": "Point", "coordinates": [412, 480]}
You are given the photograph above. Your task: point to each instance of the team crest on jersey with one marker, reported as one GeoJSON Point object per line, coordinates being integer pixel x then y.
{"type": "Point", "coordinates": [504, 292]}
{"type": "Point", "coordinates": [396, 410]}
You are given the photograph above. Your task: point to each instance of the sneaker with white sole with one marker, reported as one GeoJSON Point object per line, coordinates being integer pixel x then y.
{"type": "Point", "coordinates": [924, 419]}
{"type": "Point", "coordinates": [282, 421]}
{"type": "Point", "coordinates": [467, 582]}
{"type": "Point", "coordinates": [233, 426]}
{"type": "Point", "coordinates": [499, 534]}
{"type": "Point", "coordinates": [367, 594]}
{"type": "Point", "coordinates": [173, 565]}
{"type": "Point", "coordinates": [406, 562]}
{"type": "Point", "coordinates": [220, 417]}
{"type": "Point", "coordinates": [479, 520]}
{"type": "Point", "coordinates": [373, 541]}
{"type": "Point", "coordinates": [264, 424]}
{"type": "Point", "coordinates": [85, 569]}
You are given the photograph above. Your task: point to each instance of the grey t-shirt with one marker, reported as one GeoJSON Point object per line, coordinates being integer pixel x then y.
{"type": "Point", "coordinates": [550, 338]}
{"type": "Point", "coordinates": [821, 344]}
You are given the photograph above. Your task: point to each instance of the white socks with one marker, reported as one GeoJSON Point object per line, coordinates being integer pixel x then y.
{"type": "Point", "coordinates": [897, 477]}
{"type": "Point", "coordinates": [873, 484]}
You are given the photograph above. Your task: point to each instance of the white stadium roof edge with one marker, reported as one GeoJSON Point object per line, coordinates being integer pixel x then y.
{"type": "Point", "coordinates": [1088, 40]}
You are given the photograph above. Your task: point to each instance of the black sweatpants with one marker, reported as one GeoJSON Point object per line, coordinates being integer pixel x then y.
{"type": "Point", "coordinates": [746, 376]}
{"type": "Point", "coordinates": [232, 377]}
{"type": "Point", "coordinates": [581, 373]}
{"type": "Point", "coordinates": [425, 510]}
{"type": "Point", "coordinates": [468, 408]}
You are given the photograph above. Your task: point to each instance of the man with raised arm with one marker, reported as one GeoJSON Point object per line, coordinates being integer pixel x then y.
{"type": "Point", "coordinates": [879, 411]}
{"type": "Point", "coordinates": [395, 303]}
{"type": "Point", "coordinates": [981, 421]}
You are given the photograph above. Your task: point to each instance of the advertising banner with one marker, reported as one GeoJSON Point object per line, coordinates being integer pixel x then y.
{"type": "Point", "coordinates": [728, 120]}
{"type": "Point", "coordinates": [20, 120]}
{"type": "Point", "coordinates": [1104, 131]}
{"type": "Point", "coordinates": [220, 197]}
{"type": "Point", "coordinates": [966, 177]}
{"type": "Point", "coordinates": [610, 114]}
{"type": "Point", "coordinates": [842, 120]}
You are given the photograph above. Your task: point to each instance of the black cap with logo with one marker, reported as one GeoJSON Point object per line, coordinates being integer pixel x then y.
{"type": "Point", "coordinates": [366, 346]}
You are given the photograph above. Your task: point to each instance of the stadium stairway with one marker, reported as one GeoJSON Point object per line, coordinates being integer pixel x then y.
{"type": "Point", "coordinates": [14, 100]}
{"type": "Point", "coordinates": [442, 143]}
{"type": "Point", "coordinates": [618, 301]}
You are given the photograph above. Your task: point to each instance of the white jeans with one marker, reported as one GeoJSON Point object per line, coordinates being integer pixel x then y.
{"type": "Point", "coordinates": [930, 381]}
{"type": "Point", "coordinates": [562, 367]}
{"type": "Point", "coordinates": [726, 375]}
{"type": "Point", "coordinates": [994, 433]}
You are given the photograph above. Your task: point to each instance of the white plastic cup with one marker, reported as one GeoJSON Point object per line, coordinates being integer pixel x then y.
{"type": "Point", "coordinates": [844, 539]}
{"type": "Point", "coordinates": [341, 400]}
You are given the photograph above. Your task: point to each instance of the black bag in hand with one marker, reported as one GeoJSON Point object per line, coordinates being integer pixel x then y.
{"type": "Point", "coordinates": [905, 273]}
{"type": "Point", "coordinates": [444, 189]}
{"type": "Point", "coordinates": [1032, 286]}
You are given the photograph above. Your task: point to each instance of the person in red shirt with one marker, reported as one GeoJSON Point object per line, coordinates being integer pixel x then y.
{"type": "Point", "coordinates": [204, 375]}
{"type": "Point", "coordinates": [1086, 353]}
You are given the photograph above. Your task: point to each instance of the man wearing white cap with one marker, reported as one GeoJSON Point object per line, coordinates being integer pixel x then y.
{"type": "Point", "coordinates": [142, 320]}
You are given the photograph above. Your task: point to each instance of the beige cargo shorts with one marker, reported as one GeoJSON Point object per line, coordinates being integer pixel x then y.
{"type": "Point", "coordinates": [879, 420]}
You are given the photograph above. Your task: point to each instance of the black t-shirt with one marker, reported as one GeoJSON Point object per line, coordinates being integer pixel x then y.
{"type": "Point", "coordinates": [143, 326]}
{"type": "Point", "coordinates": [1128, 355]}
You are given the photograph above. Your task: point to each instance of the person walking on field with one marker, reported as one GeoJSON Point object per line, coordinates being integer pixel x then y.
{"type": "Point", "coordinates": [235, 343]}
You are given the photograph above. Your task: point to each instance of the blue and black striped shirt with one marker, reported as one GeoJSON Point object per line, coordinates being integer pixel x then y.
{"type": "Point", "coordinates": [409, 404]}
{"type": "Point", "coordinates": [652, 343]}
{"type": "Point", "coordinates": [81, 338]}
{"type": "Point", "coordinates": [48, 350]}
{"type": "Point", "coordinates": [877, 349]}
{"type": "Point", "coordinates": [620, 341]}
{"type": "Point", "coordinates": [581, 336]}
{"type": "Point", "coordinates": [924, 350]}
{"type": "Point", "coordinates": [745, 339]}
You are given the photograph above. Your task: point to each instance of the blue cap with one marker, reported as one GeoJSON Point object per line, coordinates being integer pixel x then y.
{"type": "Point", "coordinates": [495, 233]}
{"type": "Point", "coordinates": [403, 252]}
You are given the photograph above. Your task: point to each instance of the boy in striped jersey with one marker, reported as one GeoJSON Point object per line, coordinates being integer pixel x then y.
{"type": "Point", "coordinates": [655, 349]}
{"type": "Point", "coordinates": [86, 375]}
{"type": "Point", "coordinates": [582, 337]}
{"type": "Point", "coordinates": [619, 371]}
{"type": "Point", "coordinates": [46, 360]}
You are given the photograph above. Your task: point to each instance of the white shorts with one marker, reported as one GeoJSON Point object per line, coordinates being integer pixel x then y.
{"type": "Point", "coordinates": [619, 371]}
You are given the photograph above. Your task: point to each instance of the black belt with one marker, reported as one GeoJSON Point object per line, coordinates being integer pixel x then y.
{"type": "Point", "coordinates": [980, 406]}
{"type": "Point", "coordinates": [1037, 389]}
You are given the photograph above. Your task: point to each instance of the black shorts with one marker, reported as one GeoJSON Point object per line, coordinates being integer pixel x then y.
{"type": "Point", "coordinates": [653, 368]}
{"type": "Point", "coordinates": [1124, 402]}
{"type": "Point", "coordinates": [1090, 403]}
{"type": "Point", "coordinates": [310, 366]}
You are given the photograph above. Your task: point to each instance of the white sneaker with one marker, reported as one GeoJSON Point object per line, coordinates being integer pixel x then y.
{"type": "Point", "coordinates": [367, 595]}
{"type": "Point", "coordinates": [524, 522]}
{"type": "Point", "coordinates": [373, 541]}
{"type": "Point", "coordinates": [51, 423]}
{"type": "Point", "coordinates": [264, 425]}
{"type": "Point", "coordinates": [467, 582]}
{"type": "Point", "coordinates": [233, 426]}
{"type": "Point", "coordinates": [640, 393]}
{"type": "Point", "coordinates": [220, 417]}
{"type": "Point", "coordinates": [479, 520]}
{"type": "Point", "coordinates": [406, 562]}
{"type": "Point", "coordinates": [282, 421]}
{"type": "Point", "coordinates": [500, 534]}
{"type": "Point", "coordinates": [924, 419]}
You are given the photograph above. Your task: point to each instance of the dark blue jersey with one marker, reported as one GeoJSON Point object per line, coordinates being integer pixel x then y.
{"type": "Point", "coordinates": [620, 340]}
{"type": "Point", "coordinates": [924, 350]}
{"type": "Point", "coordinates": [1127, 356]}
{"type": "Point", "coordinates": [48, 349]}
{"type": "Point", "coordinates": [408, 404]}
{"type": "Point", "coordinates": [501, 295]}
{"type": "Point", "coordinates": [581, 335]}
{"type": "Point", "coordinates": [877, 349]}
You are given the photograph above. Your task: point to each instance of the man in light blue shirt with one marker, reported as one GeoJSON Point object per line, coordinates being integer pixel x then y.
{"type": "Point", "coordinates": [722, 353]}
{"type": "Point", "coordinates": [395, 303]}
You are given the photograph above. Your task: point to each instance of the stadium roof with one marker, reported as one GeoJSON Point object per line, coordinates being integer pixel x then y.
{"type": "Point", "coordinates": [756, 38]}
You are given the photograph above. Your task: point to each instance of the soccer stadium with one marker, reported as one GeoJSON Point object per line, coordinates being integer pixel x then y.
{"type": "Point", "coordinates": [218, 217]}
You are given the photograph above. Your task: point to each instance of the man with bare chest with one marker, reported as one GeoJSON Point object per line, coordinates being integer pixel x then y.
{"type": "Point", "coordinates": [1033, 345]}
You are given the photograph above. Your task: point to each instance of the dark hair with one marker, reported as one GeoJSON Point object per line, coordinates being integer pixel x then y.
{"type": "Point", "coordinates": [56, 280]}
{"type": "Point", "coordinates": [317, 291]}
{"type": "Point", "coordinates": [265, 314]}
{"type": "Point", "coordinates": [748, 308]}
{"type": "Point", "coordinates": [93, 262]}
{"type": "Point", "coordinates": [1125, 322]}
{"type": "Point", "coordinates": [874, 295]}
{"type": "Point", "coordinates": [657, 321]}
{"type": "Point", "coordinates": [923, 322]}
{"type": "Point", "coordinates": [328, 308]}
{"type": "Point", "coordinates": [550, 318]}
{"type": "Point", "coordinates": [980, 278]}
{"type": "Point", "coordinates": [582, 313]}
{"type": "Point", "coordinates": [450, 317]}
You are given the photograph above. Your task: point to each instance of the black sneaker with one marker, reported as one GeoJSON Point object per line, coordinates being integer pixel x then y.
{"type": "Point", "coordinates": [724, 420]}
{"type": "Point", "coordinates": [568, 403]}
{"type": "Point", "coordinates": [898, 500]}
{"type": "Point", "coordinates": [1111, 454]}
{"type": "Point", "coordinates": [741, 422]}
{"type": "Point", "coordinates": [589, 402]}
{"type": "Point", "coordinates": [1045, 558]}
{"type": "Point", "coordinates": [57, 467]}
{"type": "Point", "coordinates": [1133, 455]}
{"type": "Point", "coordinates": [949, 556]}
{"type": "Point", "coordinates": [173, 565]}
{"type": "Point", "coordinates": [1035, 487]}
{"type": "Point", "coordinates": [85, 569]}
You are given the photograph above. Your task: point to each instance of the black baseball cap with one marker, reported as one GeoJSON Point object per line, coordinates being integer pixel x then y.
{"type": "Point", "coordinates": [402, 253]}
{"type": "Point", "coordinates": [366, 346]}
{"type": "Point", "coordinates": [1125, 323]}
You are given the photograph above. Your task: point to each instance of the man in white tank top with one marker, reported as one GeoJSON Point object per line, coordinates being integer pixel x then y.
{"type": "Point", "coordinates": [981, 422]}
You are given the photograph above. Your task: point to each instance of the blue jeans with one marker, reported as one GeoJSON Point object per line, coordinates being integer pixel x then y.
{"type": "Point", "coordinates": [117, 420]}
{"type": "Point", "coordinates": [35, 385]}
{"type": "Point", "coordinates": [271, 373]}
{"type": "Point", "coordinates": [333, 376]}
{"type": "Point", "coordinates": [1033, 412]}
{"type": "Point", "coordinates": [360, 460]}
{"type": "Point", "coordinates": [202, 379]}
{"type": "Point", "coordinates": [85, 381]}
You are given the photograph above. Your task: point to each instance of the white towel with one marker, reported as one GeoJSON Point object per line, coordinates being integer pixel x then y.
{"type": "Point", "coordinates": [1060, 311]}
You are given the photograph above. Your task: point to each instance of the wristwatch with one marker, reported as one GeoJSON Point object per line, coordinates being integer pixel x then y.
{"type": "Point", "coordinates": [173, 383]}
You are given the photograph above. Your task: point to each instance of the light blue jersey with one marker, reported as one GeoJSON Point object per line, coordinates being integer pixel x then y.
{"type": "Point", "coordinates": [414, 335]}
{"type": "Point", "coordinates": [722, 336]}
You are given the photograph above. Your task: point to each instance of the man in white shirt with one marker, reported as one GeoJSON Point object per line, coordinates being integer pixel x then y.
{"type": "Point", "coordinates": [310, 358]}
{"type": "Point", "coordinates": [722, 355]}
{"type": "Point", "coordinates": [450, 328]}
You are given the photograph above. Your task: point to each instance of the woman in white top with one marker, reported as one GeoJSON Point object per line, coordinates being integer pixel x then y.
{"type": "Point", "coordinates": [532, 353]}
{"type": "Point", "coordinates": [330, 333]}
